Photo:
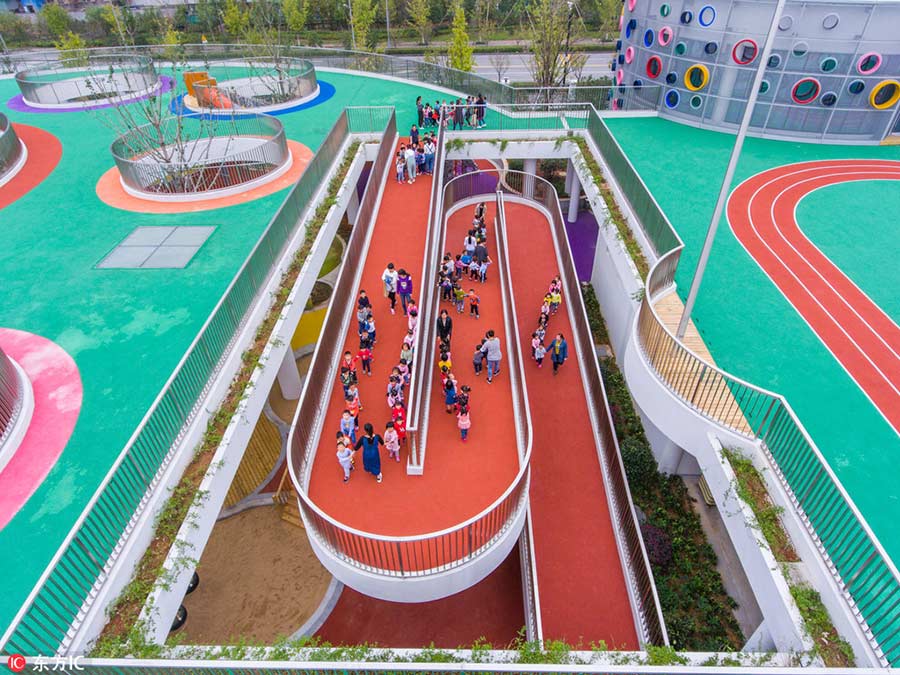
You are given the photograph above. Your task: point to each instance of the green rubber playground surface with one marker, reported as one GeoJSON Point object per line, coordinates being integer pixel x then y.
{"type": "Point", "coordinates": [126, 329]}
{"type": "Point", "coordinates": [749, 327]}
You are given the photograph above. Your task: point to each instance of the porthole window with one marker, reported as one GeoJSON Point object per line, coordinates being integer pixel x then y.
{"type": "Point", "coordinates": [711, 48]}
{"type": "Point", "coordinates": [629, 54]}
{"type": "Point", "coordinates": [800, 49]}
{"type": "Point", "coordinates": [830, 21]}
{"type": "Point", "coordinates": [620, 102]}
{"type": "Point", "coordinates": [620, 76]}
{"type": "Point", "coordinates": [631, 5]}
{"type": "Point", "coordinates": [774, 61]}
{"type": "Point", "coordinates": [785, 23]}
{"type": "Point", "coordinates": [622, 89]}
{"type": "Point", "coordinates": [696, 77]}
{"type": "Point", "coordinates": [856, 87]}
{"type": "Point", "coordinates": [664, 9]}
{"type": "Point", "coordinates": [621, 58]}
{"type": "Point", "coordinates": [707, 16]}
{"type": "Point", "coordinates": [885, 95]}
{"type": "Point", "coordinates": [648, 37]}
{"type": "Point", "coordinates": [828, 64]}
{"type": "Point", "coordinates": [638, 84]}
{"type": "Point", "coordinates": [687, 17]}
{"type": "Point", "coordinates": [673, 98]}
{"type": "Point", "coordinates": [828, 99]}
{"type": "Point", "coordinates": [671, 78]}
{"type": "Point", "coordinates": [696, 102]}
{"type": "Point", "coordinates": [654, 67]}
{"type": "Point", "coordinates": [763, 86]}
{"type": "Point", "coordinates": [629, 29]}
{"type": "Point", "coordinates": [744, 52]}
{"type": "Point", "coordinates": [665, 35]}
{"type": "Point", "coordinates": [618, 45]}
{"type": "Point", "coordinates": [680, 48]}
{"type": "Point", "coordinates": [869, 63]}
{"type": "Point", "coordinates": [805, 91]}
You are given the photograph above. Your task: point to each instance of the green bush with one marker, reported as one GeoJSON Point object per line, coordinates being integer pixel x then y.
{"type": "Point", "coordinates": [640, 465]}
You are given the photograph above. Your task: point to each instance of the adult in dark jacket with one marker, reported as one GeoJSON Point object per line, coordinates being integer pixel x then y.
{"type": "Point", "coordinates": [369, 444]}
{"type": "Point", "coordinates": [559, 352]}
{"type": "Point", "coordinates": [444, 326]}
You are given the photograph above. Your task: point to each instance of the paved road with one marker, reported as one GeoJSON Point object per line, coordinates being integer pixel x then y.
{"type": "Point", "coordinates": [517, 65]}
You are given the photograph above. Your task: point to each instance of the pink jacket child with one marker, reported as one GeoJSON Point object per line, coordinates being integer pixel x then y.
{"type": "Point", "coordinates": [392, 441]}
{"type": "Point", "coordinates": [463, 422]}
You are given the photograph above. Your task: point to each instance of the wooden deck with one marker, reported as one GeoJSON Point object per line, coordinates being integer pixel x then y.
{"type": "Point", "coordinates": [710, 395]}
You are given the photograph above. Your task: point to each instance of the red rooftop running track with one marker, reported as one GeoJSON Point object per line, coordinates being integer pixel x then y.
{"type": "Point", "coordinates": [460, 479]}
{"type": "Point", "coordinates": [580, 580]}
{"type": "Point", "coordinates": [862, 337]}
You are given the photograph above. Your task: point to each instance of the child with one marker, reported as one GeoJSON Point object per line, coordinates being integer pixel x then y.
{"type": "Point", "coordinates": [540, 332]}
{"type": "Point", "coordinates": [348, 425]}
{"type": "Point", "coordinates": [444, 347]}
{"type": "Point", "coordinates": [478, 358]}
{"type": "Point", "coordinates": [483, 267]}
{"type": "Point", "coordinates": [413, 319]}
{"type": "Point", "coordinates": [365, 355]}
{"type": "Point", "coordinates": [394, 392]}
{"type": "Point", "coordinates": [445, 362]}
{"type": "Point", "coordinates": [406, 353]}
{"type": "Point", "coordinates": [463, 422]}
{"type": "Point", "coordinates": [555, 300]}
{"type": "Point", "coordinates": [362, 316]}
{"type": "Point", "coordinates": [353, 407]}
{"type": "Point", "coordinates": [545, 307]}
{"type": "Point", "coordinates": [392, 441]}
{"type": "Point", "coordinates": [462, 398]}
{"type": "Point", "coordinates": [363, 300]}
{"type": "Point", "coordinates": [420, 160]}
{"type": "Point", "coordinates": [458, 267]}
{"type": "Point", "coordinates": [535, 341]}
{"type": "Point", "coordinates": [403, 367]}
{"type": "Point", "coordinates": [539, 353]}
{"type": "Point", "coordinates": [353, 393]}
{"type": "Point", "coordinates": [365, 340]}
{"type": "Point", "coordinates": [348, 378]}
{"type": "Point", "coordinates": [466, 260]}
{"type": "Point", "coordinates": [409, 340]}
{"type": "Point", "coordinates": [349, 363]}
{"type": "Point", "coordinates": [446, 287]}
{"type": "Point", "coordinates": [400, 166]}
{"type": "Point", "coordinates": [474, 268]}
{"type": "Point", "coordinates": [450, 393]}
{"type": "Point", "coordinates": [399, 420]}
{"type": "Point", "coordinates": [474, 301]}
{"type": "Point", "coordinates": [345, 458]}
{"type": "Point", "coordinates": [370, 327]}
{"type": "Point", "coordinates": [412, 306]}
{"type": "Point", "coordinates": [459, 295]}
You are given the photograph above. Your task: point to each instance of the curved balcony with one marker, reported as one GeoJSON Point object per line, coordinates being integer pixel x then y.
{"type": "Point", "coordinates": [85, 78]}
{"type": "Point", "coordinates": [257, 85]}
{"type": "Point", "coordinates": [12, 151]}
{"type": "Point", "coordinates": [187, 158]}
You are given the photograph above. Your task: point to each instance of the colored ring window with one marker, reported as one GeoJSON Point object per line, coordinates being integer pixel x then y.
{"type": "Point", "coordinates": [707, 16]}
{"type": "Point", "coordinates": [673, 98]}
{"type": "Point", "coordinates": [711, 48]}
{"type": "Point", "coordinates": [665, 35]}
{"type": "Point", "coordinates": [620, 75]}
{"type": "Point", "coordinates": [621, 59]}
{"type": "Point", "coordinates": [648, 37]}
{"type": "Point", "coordinates": [629, 29]}
{"type": "Point", "coordinates": [800, 49]}
{"type": "Point", "coordinates": [828, 99]}
{"type": "Point", "coordinates": [830, 21]}
{"type": "Point", "coordinates": [631, 5]}
{"type": "Point", "coordinates": [806, 91]}
{"type": "Point", "coordinates": [618, 45]}
{"type": "Point", "coordinates": [629, 54]}
{"type": "Point", "coordinates": [696, 77]}
{"type": "Point", "coordinates": [696, 102]}
{"type": "Point", "coordinates": [671, 78]}
{"type": "Point", "coordinates": [885, 95]}
{"type": "Point", "coordinates": [621, 103]}
{"type": "Point", "coordinates": [665, 9]}
{"type": "Point", "coordinates": [680, 48]}
{"type": "Point", "coordinates": [764, 86]}
{"type": "Point", "coordinates": [687, 17]}
{"type": "Point", "coordinates": [856, 87]}
{"type": "Point", "coordinates": [654, 67]}
{"type": "Point", "coordinates": [637, 84]}
{"type": "Point", "coordinates": [744, 52]}
{"type": "Point", "coordinates": [622, 89]}
{"type": "Point", "coordinates": [869, 63]}
{"type": "Point", "coordinates": [828, 64]}
{"type": "Point", "coordinates": [774, 61]}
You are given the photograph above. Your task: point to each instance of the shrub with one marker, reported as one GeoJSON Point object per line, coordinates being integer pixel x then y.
{"type": "Point", "coordinates": [640, 465]}
{"type": "Point", "coordinates": [658, 544]}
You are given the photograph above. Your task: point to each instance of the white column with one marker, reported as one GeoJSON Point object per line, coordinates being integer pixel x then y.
{"type": "Point", "coordinates": [574, 196]}
{"type": "Point", "coordinates": [353, 206]}
{"type": "Point", "coordinates": [530, 168]}
{"type": "Point", "coordinates": [289, 377]}
{"type": "Point", "coordinates": [570, 172]}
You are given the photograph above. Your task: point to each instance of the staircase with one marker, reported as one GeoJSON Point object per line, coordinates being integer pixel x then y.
{"type": "Point", "coordinates": [285, 499]}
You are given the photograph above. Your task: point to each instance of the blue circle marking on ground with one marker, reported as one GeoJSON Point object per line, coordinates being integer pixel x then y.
{"type": "Point", "coordinates": [326, 91]}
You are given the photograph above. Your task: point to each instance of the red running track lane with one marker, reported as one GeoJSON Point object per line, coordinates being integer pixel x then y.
{"type": "Point", "coordinates": [861, 336]}
{"type": "Point", "coordinates": [581, 583]}
{"type": "Point", "coordinates": [491, 611]}
{"type": "Point", "coordinates": [44, 153]}
{"type": "Point", "coordinates": [460, 480]}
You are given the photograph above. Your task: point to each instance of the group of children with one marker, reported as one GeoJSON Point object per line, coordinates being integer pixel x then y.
{"type": "Point", "coordinates": [460, 114]}
{"type": "Point", "coordinates": [471, 264]}
{"type": "Point", "coordinates": [415, 158]}
{"type": "Point", "coordinates": [395, 430]}
{"type": "Point", "coordinates": [550, 306]}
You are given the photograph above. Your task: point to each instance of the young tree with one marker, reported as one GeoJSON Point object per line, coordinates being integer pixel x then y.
{"type": "Point", "coordinates": [235, 19]}
{"type": "Point", "coordinates": [420, 19]}
{"type": "Point", "coordinates": [295, 14]}
{"type": "Point", "coordinates": [56, 19]}
{"type": "Point", "coordinates": [459, 52]}
{"type": "Point", "coordinates": [121, 22]}
{"type": "Point", "coordinates": [484, 19]}
{"type": "Point", "coordinates": [608, 14]}
{"type": "Point", "coordinates": [72, 50]}
{"type": "Point", "coordinates": [362, 18]}
{"type": "Point", "coordinates": [500, 63]}
{"type": "Point", "coordinates": [553, 26]}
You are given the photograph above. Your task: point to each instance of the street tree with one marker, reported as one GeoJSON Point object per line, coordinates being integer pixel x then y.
{"type": "Point", "coordinates": [459, 51]}
{"type": "Point", "coordinates": [553, 30]}
{"type": "Point", "coordinates": [420, 18]}
{"type": "Point", "coordinates": [56, 19]}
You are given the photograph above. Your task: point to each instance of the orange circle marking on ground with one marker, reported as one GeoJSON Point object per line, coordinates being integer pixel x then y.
{"type": "Point", "coordinates": [111, 192]}
{"type": "Point", "coordinates": [44, 153]}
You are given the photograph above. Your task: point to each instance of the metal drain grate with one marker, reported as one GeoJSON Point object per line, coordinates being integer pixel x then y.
{"type": "Point", "coordinates": [157, 248]}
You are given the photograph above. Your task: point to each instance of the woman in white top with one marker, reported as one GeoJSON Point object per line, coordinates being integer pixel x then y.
{"type": "Point", "coordinates": [389, 278]}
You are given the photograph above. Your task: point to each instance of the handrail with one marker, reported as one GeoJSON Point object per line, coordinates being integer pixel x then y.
{"type": "Point", "coordinates": [414, 555]}
{"type": "Point", "coordinates": [10, 146]}
{"type": "Point", "coordinates": [10, 396]}
{"type": "Point", "coordinates": [858, 562]}
{"type": "Point", "coordinates": [645, 602]}
{"type": "Point", "coordinates": [94, 541]}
